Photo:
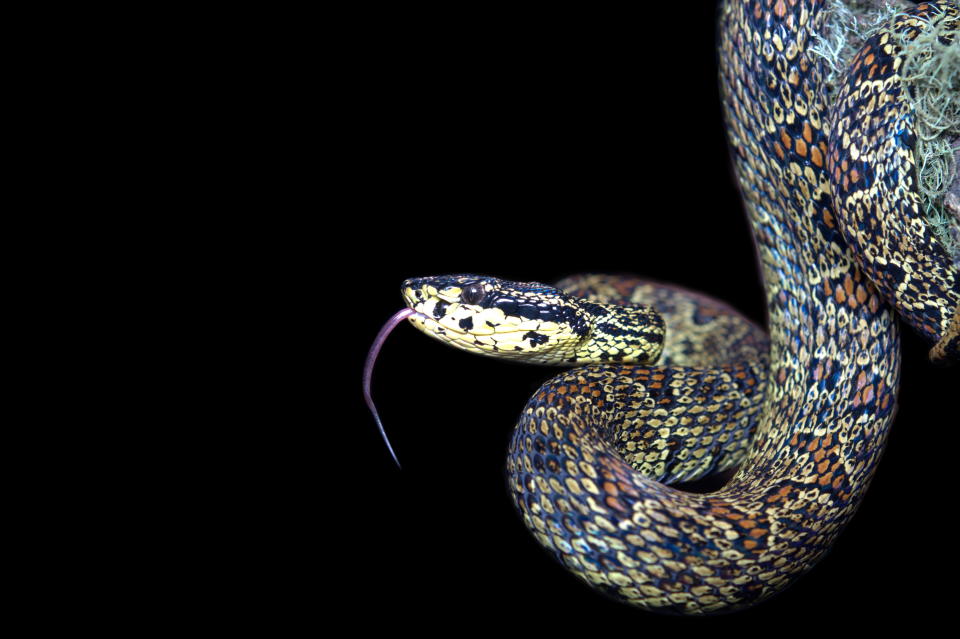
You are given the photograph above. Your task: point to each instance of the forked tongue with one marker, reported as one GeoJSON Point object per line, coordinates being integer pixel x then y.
{"type": "Point", "coordinates": [368, 370]}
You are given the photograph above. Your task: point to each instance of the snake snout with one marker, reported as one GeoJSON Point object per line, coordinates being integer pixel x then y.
{"type": "Point", "coordinates": [412, 292]}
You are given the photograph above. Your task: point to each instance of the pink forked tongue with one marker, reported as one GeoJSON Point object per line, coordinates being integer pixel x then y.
{"type": "Point", "coordinates": [368, 369]}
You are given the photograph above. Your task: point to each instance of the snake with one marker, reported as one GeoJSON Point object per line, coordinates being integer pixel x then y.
{"type": "Point", "coordinates": [664, 385]}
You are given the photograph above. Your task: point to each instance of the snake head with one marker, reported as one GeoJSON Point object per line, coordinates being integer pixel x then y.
{"type": "Point", "coordinates": [529, 321]}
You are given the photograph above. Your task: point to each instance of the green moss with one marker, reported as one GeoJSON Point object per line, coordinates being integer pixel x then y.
{"type": "Point", "coordinates": [932, 69]}
{"type": "Point", "coordinates": [846, 27]}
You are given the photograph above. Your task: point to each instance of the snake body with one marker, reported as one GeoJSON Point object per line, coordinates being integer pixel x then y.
{"type": "Point", "coordinates": [692, 415]}
{"type": "Point", "coordinates": [807, 436]}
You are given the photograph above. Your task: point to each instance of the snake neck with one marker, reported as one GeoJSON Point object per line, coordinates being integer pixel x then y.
{"type": "Point", "coordinates": [619, 333]}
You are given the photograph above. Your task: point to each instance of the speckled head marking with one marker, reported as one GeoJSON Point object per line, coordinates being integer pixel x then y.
{"type": "Point", "coordinates": [530, 321]}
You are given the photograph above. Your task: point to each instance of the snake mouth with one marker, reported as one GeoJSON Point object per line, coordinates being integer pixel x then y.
{"type": "Point", "coordinates": [426, 323]}
{"type": "Point", "coordinates": [426, 305]}
{"type": "Point", "coordinates": [433, 327]}
{"type": "Point", "coordinates": [485, 329]}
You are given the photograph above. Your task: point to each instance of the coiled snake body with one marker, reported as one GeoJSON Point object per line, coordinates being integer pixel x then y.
{"type": "Point", "coordinates": [818, 408]}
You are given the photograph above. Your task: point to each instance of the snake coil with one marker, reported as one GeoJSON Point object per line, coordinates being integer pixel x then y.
{"type": "Point", "coordinates": [831, 197]}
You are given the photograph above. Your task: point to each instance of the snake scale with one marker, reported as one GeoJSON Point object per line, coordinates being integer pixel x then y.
{"type": "Point", "coordinates": [807, 423]}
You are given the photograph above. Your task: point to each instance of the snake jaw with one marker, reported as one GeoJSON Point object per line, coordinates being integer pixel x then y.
{"type": "Point", "coordinates": [532, 322]}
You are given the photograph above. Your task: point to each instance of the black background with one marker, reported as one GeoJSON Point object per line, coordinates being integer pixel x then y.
{"type": "Point", "coordinates": [532, 148]}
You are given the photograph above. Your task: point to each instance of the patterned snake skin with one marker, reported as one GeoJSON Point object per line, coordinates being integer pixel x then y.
{"type": "Point", "coordinates": [831, 381]}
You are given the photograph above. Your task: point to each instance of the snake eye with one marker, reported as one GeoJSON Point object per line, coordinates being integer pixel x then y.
{"type": "Point", "coordinates": [472, 294]}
